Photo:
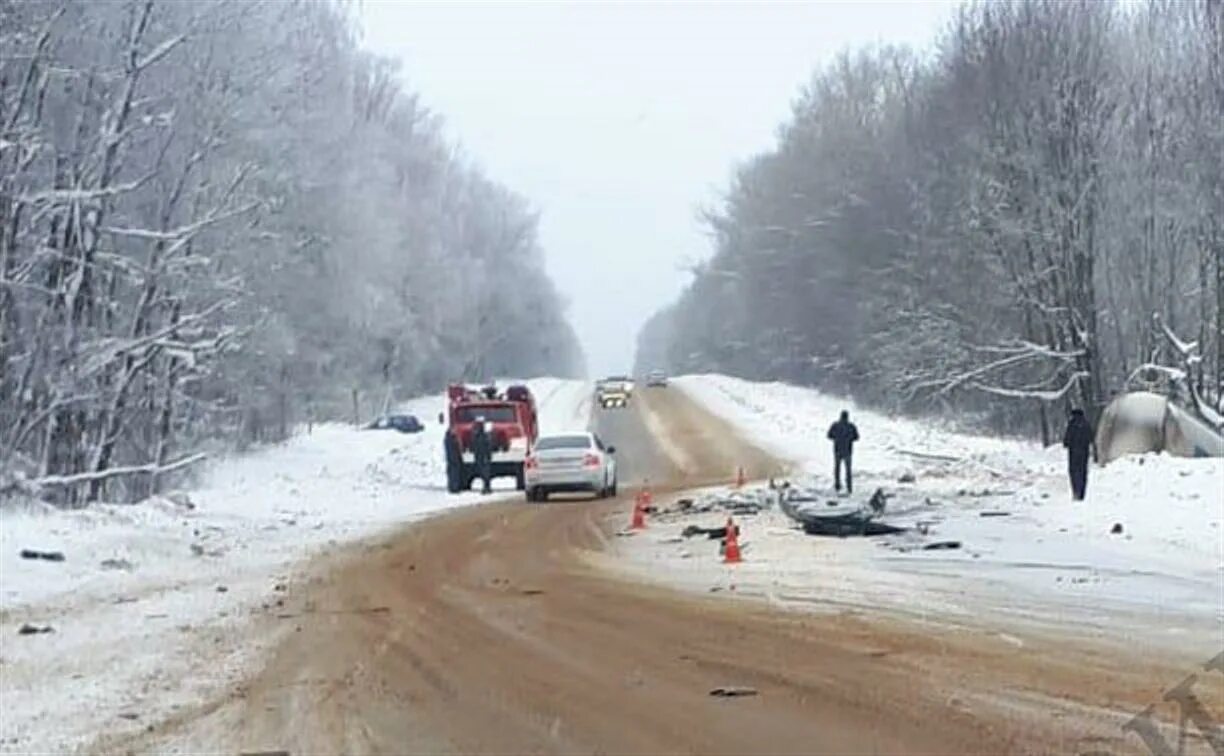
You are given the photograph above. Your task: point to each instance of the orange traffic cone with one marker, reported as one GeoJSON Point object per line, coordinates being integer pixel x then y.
{"type": "Point", "coordinates": [739, 478]}
{"type": "Point", "coordinates": [731, 549]}
{"type": "Point", "coordinates": [639, 511]}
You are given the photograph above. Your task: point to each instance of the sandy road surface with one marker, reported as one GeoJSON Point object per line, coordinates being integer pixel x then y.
{"type": "Point", "coordinates": [494, 630]}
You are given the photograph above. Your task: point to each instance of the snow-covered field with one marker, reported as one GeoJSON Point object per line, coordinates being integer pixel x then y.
{"type": "Point", "coordinates": [144, 588]}
{"type": "Point", "coordinates": [1027, 551]}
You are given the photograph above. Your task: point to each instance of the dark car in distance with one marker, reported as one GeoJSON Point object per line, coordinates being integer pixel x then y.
{"type": "Point", "coordinates": [401, 423]}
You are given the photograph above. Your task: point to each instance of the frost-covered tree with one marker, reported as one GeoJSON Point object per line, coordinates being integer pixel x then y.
{"type": "Point", "coordinates": [219, 218]}
{"type": "Point", "coordinates": [988, 229]}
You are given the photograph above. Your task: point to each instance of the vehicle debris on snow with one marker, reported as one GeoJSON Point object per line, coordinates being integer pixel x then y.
{"type": "Point", "coordinates": [836, 518]}
{"type": "Point", "coordinates": [47, 556]}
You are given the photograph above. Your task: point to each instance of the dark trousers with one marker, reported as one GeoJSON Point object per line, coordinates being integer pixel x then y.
{"type": "Point", "coordinates": [838, 461]}
{"type": "Point", "coordinates": [485, 472]}
{"type": "Point", "coordinates": [1077, 468]}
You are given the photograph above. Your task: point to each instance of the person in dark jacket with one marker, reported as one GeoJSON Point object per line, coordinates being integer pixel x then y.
{"type": "Point", "coordinates": [1079, 439]}
{"type": "Point", "coordinates": [482, 452]}
{"type": "Point", "coordinates": [843, 434]}
{"type": "Point", "coordinates": [454, 461]}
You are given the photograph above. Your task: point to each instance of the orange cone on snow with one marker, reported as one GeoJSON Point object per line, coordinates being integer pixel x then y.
{"type": "Point", "coordinates": [731, 549]}
{"type": "Point", "coordinates": [640, 502]}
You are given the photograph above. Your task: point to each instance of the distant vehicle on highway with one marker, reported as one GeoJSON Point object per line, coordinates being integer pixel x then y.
{"type": "Point", "coordinates": [614, 392]}
{"type": "Point", "coordinates": [401, 423]}
{"type": "Point", "coordinates": [570, 462]}
{"type": "Point", "coordinates": [656, 379]}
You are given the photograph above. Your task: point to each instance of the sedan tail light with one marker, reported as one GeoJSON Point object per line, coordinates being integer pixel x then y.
{"type": "Point", "coordinates": [531, 463]}
{"type": "Point", "coordinates": [591, 460]}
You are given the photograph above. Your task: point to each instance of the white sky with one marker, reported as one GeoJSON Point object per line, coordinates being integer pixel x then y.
{"type": "Point", "coordinates": [619, 120]}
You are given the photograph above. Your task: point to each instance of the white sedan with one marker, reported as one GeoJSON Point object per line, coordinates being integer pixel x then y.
{"type": "Point", "coordinates": [570, 462]}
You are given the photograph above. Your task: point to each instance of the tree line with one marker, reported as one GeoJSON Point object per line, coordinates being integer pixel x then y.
{"type": "Point", "coordinates": [222, 218]}
{"type": "Point", "coordinates": [988, 229]}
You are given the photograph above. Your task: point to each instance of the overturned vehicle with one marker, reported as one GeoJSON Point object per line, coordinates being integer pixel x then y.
{"type": "Point", "coordinates": [1143, 421]}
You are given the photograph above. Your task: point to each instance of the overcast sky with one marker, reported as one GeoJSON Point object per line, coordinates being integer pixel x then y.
{"type": "Point", "coordinates": [619, 120]}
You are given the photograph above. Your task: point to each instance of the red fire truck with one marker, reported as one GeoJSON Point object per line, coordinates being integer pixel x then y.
{"type": "Point", "coordinates": [511, 413]}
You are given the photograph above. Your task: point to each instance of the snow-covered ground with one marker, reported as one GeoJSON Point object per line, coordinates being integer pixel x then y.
{"type": "Point", "coordinates": [143, 588]}
{"type": "Point", "coordinates": [1028, 552]}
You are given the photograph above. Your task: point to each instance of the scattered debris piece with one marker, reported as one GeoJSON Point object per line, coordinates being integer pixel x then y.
{"type": "Point", "coordinates": [28, 629]}
{"type": "Point", "coordinates": [711, 533]}
{"type": "Point", "coordinates": [878, 501]}
{"type": "Point", "coordinates": [129, 715]}
{"type": "Point", "coordinates": [908, 477]}
{"type": "Point", "coordinates": [532, 591]}
{"type": "Point", "coordinates": [181, 499]}
{"type": "Point", "coordinates": [848, 526]}
{"type": "Point", "coordinates": [927, 455]}
{"type": "Point", "coordinates": [733, 691]}
{"type": "Point", "coordinates": [49, 556]}
{"type": "Point", "coordinates": [222, 589]}
{"type": "Point", "coordinates": [197, 549]}
{"type": "Point", "coordinates": [836, 518]}
{"type": "Point", "coordinates": [941, 545]}
{"type": "Point", "coordinates": [117, 564]}
{"type": "Point", "coordinates": [994, 513]}
{"type": "Point", "coordinates": [1116, 529]}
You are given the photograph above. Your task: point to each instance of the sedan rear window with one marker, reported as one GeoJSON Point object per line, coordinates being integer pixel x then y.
{"type": "Point", "coordinates": [564, 442]}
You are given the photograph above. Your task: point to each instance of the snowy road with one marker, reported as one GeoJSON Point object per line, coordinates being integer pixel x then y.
{"type": "Point", "coordinates": [513, 628]}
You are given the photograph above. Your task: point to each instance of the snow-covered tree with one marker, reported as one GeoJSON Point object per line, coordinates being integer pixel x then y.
{"type": "Point", "coordinates": [219, 218]}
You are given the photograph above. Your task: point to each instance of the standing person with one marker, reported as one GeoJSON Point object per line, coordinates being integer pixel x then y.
{"type": "Point", "coordinates": [482, 451]}
{"type": "Point", "coordinates": [454, 461]}
{"type": "Point", "coordinates": [843, 434]}
{"type": "Point", "coordinates": [1079, 440]}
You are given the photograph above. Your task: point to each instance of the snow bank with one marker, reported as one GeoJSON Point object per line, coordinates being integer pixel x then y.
{"type": "Point", "coordinates": [1027, 551]}
{"type": "Point", "coordinates": [790, 422]}
{"type": "Point", "coordinates": [142, 585]}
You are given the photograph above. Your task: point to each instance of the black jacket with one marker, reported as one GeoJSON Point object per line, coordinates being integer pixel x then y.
{"type": "Point", "coordinates": [843, 434]}
{"type": "Point", "coordinates": [482, 445]}
{"type": "Point", "coordinates": [1078, 437]}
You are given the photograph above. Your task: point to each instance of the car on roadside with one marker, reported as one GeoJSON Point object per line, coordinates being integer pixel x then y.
{"type": "Point", "coordinates": [656, 379]}
{"type": "Point", "coordinates": [570, 463]}
{"type": "Point", "coordinates": [401, 423]}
